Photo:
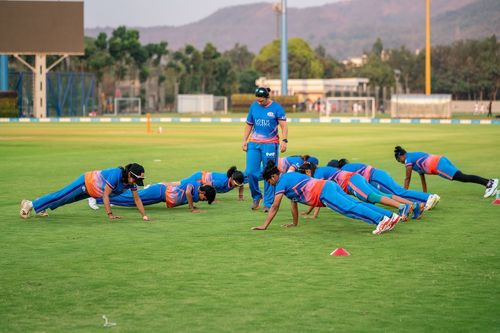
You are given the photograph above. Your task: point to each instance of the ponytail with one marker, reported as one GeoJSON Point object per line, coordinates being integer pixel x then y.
{"type": "Point", "coordinates": [270, 170]}
{"type": "Point", "coordinates": [398, 151]}
{"type": "Point", "coordinates": [343, 162]}
{"type": "Point", "coordinates": [231, 171]}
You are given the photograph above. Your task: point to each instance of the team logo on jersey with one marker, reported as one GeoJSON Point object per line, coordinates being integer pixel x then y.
{"type": "Point", "coordinates": [84, 189]}
{"type": "Point", "coordinates": [263, 123]}
{"type": "Point", "coordinates": [270, 114]}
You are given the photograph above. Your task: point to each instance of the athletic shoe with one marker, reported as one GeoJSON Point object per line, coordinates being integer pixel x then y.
{"type": "Point", "coordinates": [26, 207]}
{"type": "Point", "coordinates": [436, 200]}
{"type": "Point", "coordinates": [430, 202]}
{"type": "Point", "coordinates": [491, 187]}
{"type": "Point", "coordinates": [265, 209]}
{"type": "Point", "coordinates": [93, 203]}
{"type": "Point", "coordinates": [382, 226]}
{"type": "Point", "coordinates": [405, 210]}
{"type": "Point", "coordinates": [395, 218]}
{"type": "Point", "coordinates": [42, 214]}
{"type": "Point", "coordinates": [256, 204]}
{"type": "Point", "coordinates": [418, 210]}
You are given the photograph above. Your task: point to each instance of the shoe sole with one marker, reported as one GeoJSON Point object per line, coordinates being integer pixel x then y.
{"type": "Point", "coordinates": [25, 214]}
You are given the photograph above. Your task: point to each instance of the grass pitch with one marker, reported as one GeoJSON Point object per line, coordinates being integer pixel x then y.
{"type": "Point", "coordinates": [209, 272]}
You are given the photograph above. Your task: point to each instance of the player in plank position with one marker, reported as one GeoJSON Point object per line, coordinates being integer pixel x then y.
{"type": "Point", "coordinates": [172, 194]}
{"type": "Point", "coordinates": [301, 188]}
{"type": "Point", "coordinates": [100, 184]}
{"type": "Point", "coordinates": [424, 163]}
{"type": "Point", "coordinates": [385, 183]}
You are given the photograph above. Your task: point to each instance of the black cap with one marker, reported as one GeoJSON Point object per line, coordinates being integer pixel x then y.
{"type": "Point", "coordinates": [262, 92]}
{"type": "Point", "coordinates": [136, 170]}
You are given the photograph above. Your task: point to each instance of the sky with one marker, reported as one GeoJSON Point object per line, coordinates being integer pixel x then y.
{"type": "Point", "coordinates": [146, 13]}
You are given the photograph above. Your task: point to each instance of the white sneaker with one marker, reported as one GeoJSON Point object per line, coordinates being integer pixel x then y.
{"type": "Point", "coordinates": [383, 225]}
{"type": "Point", "coordinates": [26, 207]}
{"type": "Point", "coordinates": [436, 201]}
{"type": "Point", "coordinates": [491, 187]}
{"type": "Point", "coordinates": [430, 202]}
{"type": "Point", "coordinates": [43, 213]}
{"type": "Point", "coordinates": [93, 203]}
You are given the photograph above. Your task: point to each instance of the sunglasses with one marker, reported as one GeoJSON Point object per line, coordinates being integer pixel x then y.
{"type": "Point", "coordinates": [136, 176]}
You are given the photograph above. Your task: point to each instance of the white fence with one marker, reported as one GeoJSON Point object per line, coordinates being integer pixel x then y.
{"type": "Point", "coordinates": [201, 103]}
{"type": "Point", "coordinates": [420, 106]}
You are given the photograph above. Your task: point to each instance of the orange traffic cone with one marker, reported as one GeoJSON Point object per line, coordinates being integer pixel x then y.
{"type": "Point", "coordinates": [340, 252]}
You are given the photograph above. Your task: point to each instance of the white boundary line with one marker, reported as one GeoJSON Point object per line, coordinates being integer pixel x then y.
{"type": "Point", "coordinates": [323, 120]}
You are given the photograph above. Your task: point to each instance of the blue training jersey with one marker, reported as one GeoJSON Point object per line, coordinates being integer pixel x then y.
{"type": "Point", "coordinates": [422, 163]}
{"type": "Point", "coordinates": [96, 181]}
{"type": "Point", "coordinates": [326, 172]}
{"type": "Point", "coordinates": [360, 168]}
{"type": "Point", "coordinates": [220, 181]}
{"type": "Point", "coordinates": [176, 195]}
{"type": "Point", "coordinates": [264, 120]}
{"type": "Point", "coordinates": [301, 188]}
{"type": "Point", "coordinates": [284, 163]}
{"type": "Point", "coordinates": [195, 177]}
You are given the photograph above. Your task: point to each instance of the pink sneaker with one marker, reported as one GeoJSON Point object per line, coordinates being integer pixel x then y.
{"type": "Point", "coordinates": [395, 218]}
{"type": "Point", "coordinates": [382, 226]}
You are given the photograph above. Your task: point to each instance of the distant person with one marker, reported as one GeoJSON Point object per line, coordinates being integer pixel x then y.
{"type": "Point", "coordinates": [424, 163]}
{"type": "Point", "coordinates": [100, 184]}
{"type": "Point", "coordinates": [476, 108]}
{"type": "Point", "coordinates": [481, 108]}
{"type": "Point", "coordinates": [261, 142]}
{"type": "Point", "coordinates": [490, 107]}
{"type": "Point", "coordinates": [381, 108]}
{"type": "Point", "coordinates": [318, 105]}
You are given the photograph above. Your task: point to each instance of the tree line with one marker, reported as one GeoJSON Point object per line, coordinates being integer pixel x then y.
{"type": "Point", "coordinates": [467, 69]}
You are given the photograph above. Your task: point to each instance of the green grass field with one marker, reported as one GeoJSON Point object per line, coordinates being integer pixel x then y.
{"type": "Point", "coordinates": [209, 272]}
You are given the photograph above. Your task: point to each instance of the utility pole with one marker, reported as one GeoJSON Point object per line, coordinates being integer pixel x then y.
{"type": "Point", "coordinates": [277, 9]}
{"type": "Point", "coordinates": [427, 47]}
{"type": "Point", "coordinates": [284, 50]}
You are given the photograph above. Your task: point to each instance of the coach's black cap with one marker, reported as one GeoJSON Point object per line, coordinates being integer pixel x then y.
{"type": "Point", "coordinates": [262, 92]}
{"type": "Point", "coordinates": [136, 170]}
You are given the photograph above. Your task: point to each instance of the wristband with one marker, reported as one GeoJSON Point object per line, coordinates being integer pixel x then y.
{"type": "Point", "coordinates": [110, 213]}
{"type": "Point", "coordinates": [285, 140]}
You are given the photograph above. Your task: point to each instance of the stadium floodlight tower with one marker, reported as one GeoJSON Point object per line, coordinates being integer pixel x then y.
{"type": "Point", "coordinates": [41, 28]}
